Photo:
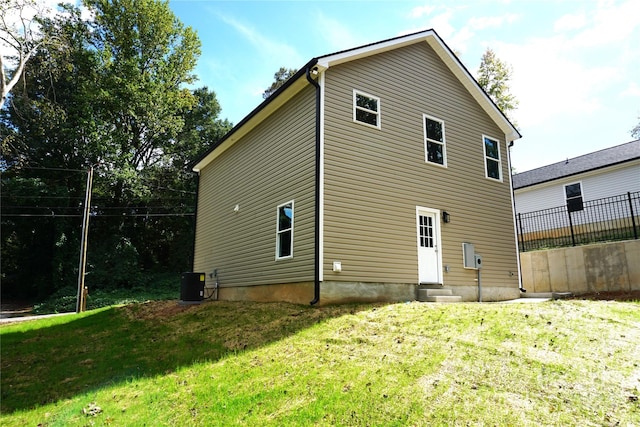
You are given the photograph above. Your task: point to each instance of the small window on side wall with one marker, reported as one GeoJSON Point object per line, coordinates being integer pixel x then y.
{"type": "Point", "coordinates": [366, 109]}
{"type": "Point", "coordinates": [435, 150]}
{"type": "Point", "coordinates": [284, 233]}
{"type": "Point", "coordinates": [492, 164]}
{"type": "Point", "coordinates": [573, 196]}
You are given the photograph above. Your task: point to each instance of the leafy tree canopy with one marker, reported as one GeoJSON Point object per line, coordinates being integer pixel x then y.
{"type": "Point", "coordinates": [112, 93]}
{"type": "Point", "coordinates": [280, 77]}
{"type": "Point", "coordinates": [494, 76]}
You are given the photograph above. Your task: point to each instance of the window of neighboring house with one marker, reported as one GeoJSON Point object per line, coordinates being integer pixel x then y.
{"type": "Point", "coordinates": [366, 109]}
{"type": "Point", "coordinates": [492, 164]}
{"type": "Point", "coordinates": [434, 142]}
{"type": "Point", "coordinates": [573, 196]}
{"type": "Point", "coordinates": [284, 234]}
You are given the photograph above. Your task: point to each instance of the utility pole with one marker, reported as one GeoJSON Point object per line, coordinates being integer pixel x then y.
{"type": "Point", "coordinates": [81, 300]}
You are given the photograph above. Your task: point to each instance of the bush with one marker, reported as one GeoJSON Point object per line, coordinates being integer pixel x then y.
{"type": "Point", "coordinates": [158, 286]}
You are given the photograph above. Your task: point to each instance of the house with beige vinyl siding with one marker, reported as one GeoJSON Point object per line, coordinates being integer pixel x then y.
{"type": "Point", "coordinates": [360, 179]}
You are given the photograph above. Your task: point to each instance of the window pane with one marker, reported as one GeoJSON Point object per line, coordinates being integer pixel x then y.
{"type": "Point", "coordinates": [434, 130]}
{"type": "Point", "coordinates": [573, 190]}
{"type": "Point", "coordinates": [434, 152]}
{"type": "Point", "coordinates": [366, 102]}
{"type": "Point", "coordinates": [367, 117]}
{"type": "Point", "coordinates": [491, 148]}
{"type": "Point", "coordinates": [285, 214]}
{"type": "Point", "coordinates": [493, 169]}
{"type": "Point", "coordinates": [284, 244]}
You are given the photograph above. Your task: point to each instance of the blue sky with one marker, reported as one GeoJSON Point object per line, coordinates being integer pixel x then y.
{"type": "Point", "coordinates": [576, 64]}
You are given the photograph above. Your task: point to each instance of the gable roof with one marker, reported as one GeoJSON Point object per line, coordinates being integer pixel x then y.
{"type": "Point", "coordinates": [587, 162]}
{"type": "Point", "coordinates": [320, 64]}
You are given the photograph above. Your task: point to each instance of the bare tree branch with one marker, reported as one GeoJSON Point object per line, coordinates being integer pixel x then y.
{"type": "Point", "coordinates": [20, 39]}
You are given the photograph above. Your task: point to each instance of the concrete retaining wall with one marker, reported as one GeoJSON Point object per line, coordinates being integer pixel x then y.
{"type": "Point", "coordinates": [602, 267]}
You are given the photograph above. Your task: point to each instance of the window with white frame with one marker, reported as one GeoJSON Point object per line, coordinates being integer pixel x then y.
{"type": "Point", "coordinates": [284, 233]}
{"type": "Point", "coordinates": [573, 196]}
{"type": "Point", "coordinates": [492, 164]}
{"type": "Point", "coordinates": [366, 109]}
{"type": "Point", "coordinates": [434, 142]}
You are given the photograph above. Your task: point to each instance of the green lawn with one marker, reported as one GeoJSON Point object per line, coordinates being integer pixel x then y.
{"type": "Point", "coordinates": [237, 363]}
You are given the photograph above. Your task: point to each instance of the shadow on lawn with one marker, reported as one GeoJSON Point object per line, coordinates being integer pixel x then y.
{"type": "Point", "coordinates": [48, 364]}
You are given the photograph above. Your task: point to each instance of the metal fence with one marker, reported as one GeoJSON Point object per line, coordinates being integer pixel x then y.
{"type": "Point", "coordinates": [607, 219]}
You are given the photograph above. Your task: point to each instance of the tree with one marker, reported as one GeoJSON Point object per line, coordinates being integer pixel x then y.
{"type": "Point", "coordinates": [20, 38]}
{"type": "Point", "coordinates": [280, 78]}
{"type": "Point", "coordinates": [635, 132]}
{"type": "Point", "coordinates": [494, 76]}
{"type": "Point", "coordinates": [111, 94]}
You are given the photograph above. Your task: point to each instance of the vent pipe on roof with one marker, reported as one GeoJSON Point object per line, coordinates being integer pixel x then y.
{"type": "Point", "coordinates": [316, 273]}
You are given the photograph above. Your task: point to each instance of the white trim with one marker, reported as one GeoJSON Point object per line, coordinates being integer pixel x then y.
{"type": "Point", "coordinates": [444, 140]}
{"type": "Point", "coordinates": [291, 202]}
{"type": "Point", "coordinates": [513, 216]}
{"type": "Point", "coordinates": [438, 245]}
{"type": "Point", "coordinates": [485, 157]}
{"type": "Point", "coordinates": [321, 82]}
{"type": "Point", "coordinates": [378, 113]}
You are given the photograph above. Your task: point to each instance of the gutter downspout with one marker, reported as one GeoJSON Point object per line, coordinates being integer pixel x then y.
{"type": "Point", "coordinates": [515, 221]}
{"type": "Point", "coordinates": [316, 279]}
{"type": "Point", "coordinates": [195, 222]}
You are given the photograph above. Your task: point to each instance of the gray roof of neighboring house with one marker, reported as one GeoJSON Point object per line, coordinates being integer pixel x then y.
{"type": "Point", "coordinates": [588, 162]}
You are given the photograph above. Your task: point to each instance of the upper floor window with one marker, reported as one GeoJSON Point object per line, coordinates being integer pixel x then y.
{"type": "Point", "coordinates": [366, 109]}
{"type": "Point", "coordinates": [573, 196]}
{"type": "Point", "coordinates": [434, 142]}
{"type": "Point", "coordinates": [492, 164]}
{"type": "Point", "coordinates": [284, 233]}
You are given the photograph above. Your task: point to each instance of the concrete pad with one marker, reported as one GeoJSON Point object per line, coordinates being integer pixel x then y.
{"type": "Point", "coordinates": [525, 300]}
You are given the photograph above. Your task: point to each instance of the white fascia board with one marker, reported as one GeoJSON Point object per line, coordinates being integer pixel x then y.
{"type": "Point", "coordinates": [373, 49]}
{"type": "Point", "coordinates": [259, 116]}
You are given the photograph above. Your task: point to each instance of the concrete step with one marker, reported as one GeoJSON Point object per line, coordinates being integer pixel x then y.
{"type": "Point", "coordinates": [437, 295]}
{"type": "Point", "coordinates": [434, 292]}
{"type": "Point", "coordinates": [444, 298]}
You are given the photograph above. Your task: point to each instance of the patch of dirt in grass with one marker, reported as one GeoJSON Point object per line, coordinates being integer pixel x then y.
{"type": "Point", "coordinates": [155, 310]}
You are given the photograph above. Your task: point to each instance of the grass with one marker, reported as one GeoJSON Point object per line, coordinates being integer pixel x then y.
{"type": "Point", "coordinates": [231, 363]}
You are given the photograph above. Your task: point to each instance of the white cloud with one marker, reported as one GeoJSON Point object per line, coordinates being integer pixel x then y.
{"type": "Point", "coordinates": [269, 49]}
{"type": "Point", "coordinates": [547, 82]}
{"type": "Point", "coordinates": [632, 90]}
{"type": "Point", "coordinates": [484, 22]}
{"type": "Point", "coordinates": [570, 22]}
{"type": "Point", "coordinates": [610, 23]}
{"type": "Point", "coordinates": [441, 23]}
{"type": "Point", "coordinates": [420, 11]}
{"type": "Point", "coordinates": [337, 35]}
{"type": "Point", "coordinates": [578, 69]}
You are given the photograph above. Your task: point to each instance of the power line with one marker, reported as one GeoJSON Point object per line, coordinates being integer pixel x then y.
{"type": "Point", "coordinates": [124, 215]}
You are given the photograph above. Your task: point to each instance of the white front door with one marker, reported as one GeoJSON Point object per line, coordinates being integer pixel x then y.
{"type": "Point", "coordinates": [429, 259]}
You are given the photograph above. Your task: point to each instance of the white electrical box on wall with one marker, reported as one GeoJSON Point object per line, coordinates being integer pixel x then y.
{"type": "Point", "coordinates": [468, 255]}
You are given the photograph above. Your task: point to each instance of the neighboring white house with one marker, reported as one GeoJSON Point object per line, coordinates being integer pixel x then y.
{"type": "Point", "coordinates": [598, 190]}
{"type": "Point", "coordinates": [609, 172]}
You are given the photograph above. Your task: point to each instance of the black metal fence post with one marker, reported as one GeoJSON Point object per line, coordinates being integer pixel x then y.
{"type": "Point", "coordinates": [522, 246]}
{"type": "Point", "coordinates": [573, 237]}
{"type": "Point", "coordinates": [633, 216]}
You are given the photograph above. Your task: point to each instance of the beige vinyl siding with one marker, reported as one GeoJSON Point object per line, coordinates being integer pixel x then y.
{"type": "Point", "coordinates": [375, 178]}
{"type": "Point", "coordinates": [269, 166]}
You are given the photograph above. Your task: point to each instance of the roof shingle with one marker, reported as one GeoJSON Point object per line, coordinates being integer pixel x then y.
{"type": "Point", "coordinates": [587, 162]}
